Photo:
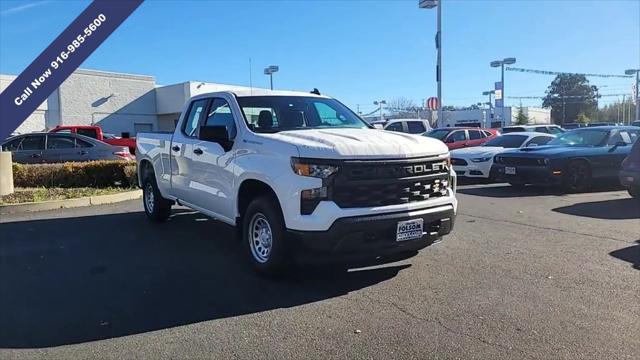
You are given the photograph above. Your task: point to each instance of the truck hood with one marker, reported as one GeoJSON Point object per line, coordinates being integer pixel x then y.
{"type": "Point", "coordinates": [477, 151]}
{"type": "Point", "coordinates": [360, 143]}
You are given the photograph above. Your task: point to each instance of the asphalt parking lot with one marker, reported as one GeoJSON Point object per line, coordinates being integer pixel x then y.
{"type": "Point", "coordinates": [525, 274]}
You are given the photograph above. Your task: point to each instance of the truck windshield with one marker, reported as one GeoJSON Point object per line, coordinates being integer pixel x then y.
{"type": "Point", "coordinates": [269, 114]}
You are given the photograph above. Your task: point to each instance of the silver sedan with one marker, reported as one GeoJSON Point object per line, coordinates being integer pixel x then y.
{"type": "Point", "coordinates": [43, 147]}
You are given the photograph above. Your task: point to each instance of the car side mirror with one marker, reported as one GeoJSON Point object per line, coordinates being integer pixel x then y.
{"type": "Point", "coordinates": [217, 134]}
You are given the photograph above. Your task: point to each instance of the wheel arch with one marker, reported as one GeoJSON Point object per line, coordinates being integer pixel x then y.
{"type": "Point", "coordinates": [250, 189]}
{"type": "Point", "coordinates": [145, 168]}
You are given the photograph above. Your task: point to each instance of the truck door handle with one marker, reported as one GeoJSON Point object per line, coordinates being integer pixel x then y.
{"type": "Point", "coordinates": [175, 148]}
{"type": "Point", "coordinates": [82, 152]}
{"type": "Point", "coordinates": [36, 155]}
{"type": "Point", "coordinates": [198, 151]}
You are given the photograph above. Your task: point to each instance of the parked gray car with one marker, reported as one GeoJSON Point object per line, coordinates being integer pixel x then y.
{"type": "Point", "coordinates": [43, 147]}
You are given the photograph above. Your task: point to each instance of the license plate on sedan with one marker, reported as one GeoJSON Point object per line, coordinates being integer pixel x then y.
{"type": "Point", "coordinates": [509, 170]}
{"type": "Point", "coordinates": [409, 230]}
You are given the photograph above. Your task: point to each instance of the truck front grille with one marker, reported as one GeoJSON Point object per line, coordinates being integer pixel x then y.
{"type": "Point", "coordinates": [389, 182]}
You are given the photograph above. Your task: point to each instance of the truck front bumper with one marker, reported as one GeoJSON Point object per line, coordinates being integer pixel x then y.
{"type": "Point", "coordinates": [369, 237]}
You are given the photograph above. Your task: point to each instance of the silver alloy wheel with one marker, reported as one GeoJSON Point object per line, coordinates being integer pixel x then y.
{"type": "Point", "coordinates": [149, 197]}
{"type": "Point", "coordinates": [260, 238]}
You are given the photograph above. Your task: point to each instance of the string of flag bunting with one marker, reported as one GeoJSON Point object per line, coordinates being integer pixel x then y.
{"type": "Point", "coordinates": [560, 97]}
{"type": "Point", "coordinates": [546, 72]}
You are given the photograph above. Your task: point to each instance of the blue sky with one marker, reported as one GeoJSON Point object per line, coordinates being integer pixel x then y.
{"type": "Point", "coordinates": [357, 51]}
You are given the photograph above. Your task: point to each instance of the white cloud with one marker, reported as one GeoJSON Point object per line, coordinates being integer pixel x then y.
{"type": "Point", "coordinates": [20, 8]}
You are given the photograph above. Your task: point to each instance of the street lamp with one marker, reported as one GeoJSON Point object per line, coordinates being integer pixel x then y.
{"type": "Point", "coordinates": [637, 72]}
{"type": "Point", "coordinates": [430, 4]}
{"type": "Point", "coordinates": [501, 64]}
{"type": "Point", "coordinates": [270, 71]}
{"type": "Point", "coordinates": [380, 103]}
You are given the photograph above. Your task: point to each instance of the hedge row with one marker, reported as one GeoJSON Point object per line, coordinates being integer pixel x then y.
{"type": "Point", "coordinates": [99, 174]}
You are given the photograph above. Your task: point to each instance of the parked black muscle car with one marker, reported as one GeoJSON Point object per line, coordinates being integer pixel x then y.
{"type": "Point", "coordinates": [572, 160]}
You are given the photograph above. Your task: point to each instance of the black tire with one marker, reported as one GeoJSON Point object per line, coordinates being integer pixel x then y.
{"type": "Point", "coordinates": [634, 192]}
{"type": "Point", "coordinates": [267, 255]}
{"type": "Point", "coordinates": [577, 177]}
{"type": "Point", "coordinates": [157, 208]}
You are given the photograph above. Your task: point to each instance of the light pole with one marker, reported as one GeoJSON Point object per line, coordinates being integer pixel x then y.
{"type": "Point", "coordinates": [270, 71]}
{"type": "Point", "coordinates": [380, 103]}
{"type": "Point", "coordinates": [637, 72]}
{"type": "Point", "coordinates": [430, 4]}
{"type": "Point", "coordinates": [485, 93]}
{"type": "Point", "coordinates": [501, 64]}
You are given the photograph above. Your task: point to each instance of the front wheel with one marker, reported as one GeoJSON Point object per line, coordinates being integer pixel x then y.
{"type": "Point", "coordinates": [577, 177]}
{"type": "Point", "coordinates": [634, 192]}
{"type": "Point", "coordinates": [264, 236]}
{"type": "Point", "coordinates": [156, 207]}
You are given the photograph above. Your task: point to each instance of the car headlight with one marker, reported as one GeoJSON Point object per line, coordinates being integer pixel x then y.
{"type": "Point", "coordinates": [307, 167]}
{"type": "Point", "coordinates": [481, 159]}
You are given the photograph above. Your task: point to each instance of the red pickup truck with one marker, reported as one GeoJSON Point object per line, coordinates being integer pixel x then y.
{"type": "Point", "coordinates": [95, 132]}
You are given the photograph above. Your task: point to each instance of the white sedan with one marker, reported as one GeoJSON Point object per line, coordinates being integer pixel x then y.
{"type": "Point", "coordinates": [476, 162]}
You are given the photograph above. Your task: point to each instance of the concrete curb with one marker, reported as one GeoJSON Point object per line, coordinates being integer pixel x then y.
{"type": "Point", "coordinates": [70, 203]}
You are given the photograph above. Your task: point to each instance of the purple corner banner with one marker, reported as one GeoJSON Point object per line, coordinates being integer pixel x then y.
{"type": "Point", "coordinates": [61, 58]}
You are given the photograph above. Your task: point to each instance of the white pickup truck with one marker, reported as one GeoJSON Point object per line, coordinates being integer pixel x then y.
{"type": "Point", "coordinates": [302, 177]}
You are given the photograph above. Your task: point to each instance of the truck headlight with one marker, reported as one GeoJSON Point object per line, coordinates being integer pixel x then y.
{"type": "Point", "coordinates": [307, 167]}
{"type": "Point", "coordinates": [481, 159]}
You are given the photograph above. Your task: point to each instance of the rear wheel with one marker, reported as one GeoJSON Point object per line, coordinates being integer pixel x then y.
{"type": "Point", "coordinates": [156, 207]}
{"type": "Point", "coordinates": [635, 192]}
{"type": "Point", "coordinates": [577, 177]}
{"type": "Point", "coordinates": [264, 236]}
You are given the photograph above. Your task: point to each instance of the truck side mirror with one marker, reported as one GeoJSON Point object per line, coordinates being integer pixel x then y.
{"type": "Point", "coordinates": [217, 134]}
{"type": "Point", "coordinates": [126, 135]}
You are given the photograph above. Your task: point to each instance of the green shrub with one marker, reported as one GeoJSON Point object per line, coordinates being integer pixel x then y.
{"type": "Point", "coordinates": [98, 174]}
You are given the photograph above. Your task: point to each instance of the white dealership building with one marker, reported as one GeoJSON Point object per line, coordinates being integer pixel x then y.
{"type": "Point", "coordinates": [131, 103]}
{"type": "Point", "coordinates": [116, 102]}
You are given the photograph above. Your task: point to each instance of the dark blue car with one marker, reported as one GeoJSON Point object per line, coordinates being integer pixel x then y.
{"type": "Point", "coordinates": [572, 160]}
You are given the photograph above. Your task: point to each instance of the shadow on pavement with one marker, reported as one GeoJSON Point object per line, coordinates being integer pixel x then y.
{"type": "Point", "coordinates": [629, 254]}
{"type": "Point", "coordinates": [72, 280]}
{"type": "Point", "coordinates": [615, 209]}
{"type": "Point", "coordinates": [508, 191]}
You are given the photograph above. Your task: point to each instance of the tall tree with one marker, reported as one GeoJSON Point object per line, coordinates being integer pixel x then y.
{"type": "Point", "coordinates": [401, 104]}
{"type": "Point", "coordinates": [569, 95]}
{"type": "Point", "coordinates": [521, 118]}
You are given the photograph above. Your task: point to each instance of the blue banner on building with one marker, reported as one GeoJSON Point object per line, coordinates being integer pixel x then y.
{"type": "Point", "coordinates": [498, 95]}
{"type": "Point", "coordinates": [63, 56]}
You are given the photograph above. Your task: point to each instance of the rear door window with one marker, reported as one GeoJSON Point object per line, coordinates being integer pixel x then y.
{"type": "Point", "coordinates": [475, 135]}
{"type": "Point", "coordinates": [416, 127]}
{"type": "Point", "coordinates": [60, 142]}
{"type": "Point", "coordinates": [458, 135]}
{"type": "Point", "coordinates": [83, 144]}
{"type": "Point", "coordinates": [542, 129]}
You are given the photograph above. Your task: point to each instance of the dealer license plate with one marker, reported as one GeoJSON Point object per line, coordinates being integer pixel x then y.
{"type": "Point", "coordinates": [409, 230]}
{"type": "Point", "coordinates": [509, 170]}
